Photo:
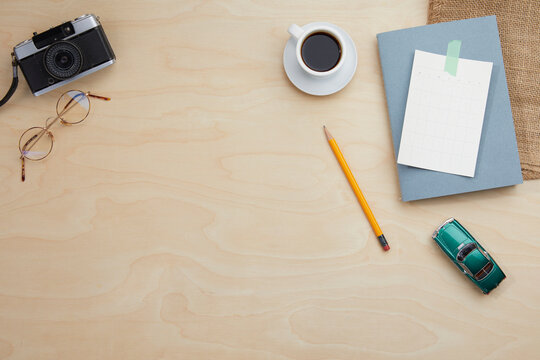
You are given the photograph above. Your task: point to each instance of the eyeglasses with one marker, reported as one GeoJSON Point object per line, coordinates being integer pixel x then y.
{"type": "Point", "coordinates": [72, 108]}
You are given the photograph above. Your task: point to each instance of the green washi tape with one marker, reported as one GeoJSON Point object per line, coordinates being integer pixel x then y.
{"type": "Point", "coordinates": [452, 57]}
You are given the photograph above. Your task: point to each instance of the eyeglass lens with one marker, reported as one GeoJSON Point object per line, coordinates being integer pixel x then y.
{"type": "Point", "coordinates": [73, 107]}
{"type": "Point", "coordinates": [34, 144]}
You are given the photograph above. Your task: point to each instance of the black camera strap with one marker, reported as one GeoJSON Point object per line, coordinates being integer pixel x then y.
{"type": "Point", "coordinates": [14, 82]}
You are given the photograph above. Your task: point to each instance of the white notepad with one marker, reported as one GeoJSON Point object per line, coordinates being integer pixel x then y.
{"type": "Point", "coordinates": [444, 114]}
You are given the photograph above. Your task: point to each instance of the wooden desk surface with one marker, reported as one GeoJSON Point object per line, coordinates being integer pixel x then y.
{"type": "Point", "coordinates": [201, 214]}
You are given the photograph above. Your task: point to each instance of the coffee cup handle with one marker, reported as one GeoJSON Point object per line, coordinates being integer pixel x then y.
{"type": "Point", "coordinates": [295, 31]}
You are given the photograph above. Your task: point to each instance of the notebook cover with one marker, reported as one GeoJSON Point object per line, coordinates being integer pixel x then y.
{"type": "Point", "coordinates": [498, 159]}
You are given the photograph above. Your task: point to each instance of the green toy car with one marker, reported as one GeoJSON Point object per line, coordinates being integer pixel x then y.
{"type": "Point", "coordinates": [468, 255]}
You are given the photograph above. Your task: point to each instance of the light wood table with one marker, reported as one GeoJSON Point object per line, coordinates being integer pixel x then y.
{"type": "Point", "coordinates": [201, 214]}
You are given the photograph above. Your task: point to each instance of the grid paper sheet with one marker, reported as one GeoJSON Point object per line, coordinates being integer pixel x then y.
{"type": "Point", "coordinates": [444, 114]}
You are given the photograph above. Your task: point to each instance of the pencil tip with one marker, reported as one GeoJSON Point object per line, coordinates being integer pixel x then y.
{"type": "Point", "coordinates": [328, 135]}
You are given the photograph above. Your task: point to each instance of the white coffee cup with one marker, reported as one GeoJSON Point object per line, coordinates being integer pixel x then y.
{"type": "Point", "coordinates": [300, 35]}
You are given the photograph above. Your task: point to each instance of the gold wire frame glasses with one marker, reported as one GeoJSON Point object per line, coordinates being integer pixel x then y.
{"type": "Point", "coordinates": [37, 142]}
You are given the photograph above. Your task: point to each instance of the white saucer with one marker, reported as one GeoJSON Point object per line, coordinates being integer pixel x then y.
{"type": "Point", "coordinates": [319, 86]}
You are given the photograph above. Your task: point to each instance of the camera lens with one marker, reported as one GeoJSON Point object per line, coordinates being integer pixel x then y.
{"type": "Point", "coordinates": [63, 60]}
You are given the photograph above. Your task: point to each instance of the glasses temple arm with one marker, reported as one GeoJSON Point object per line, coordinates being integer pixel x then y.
{"type": "Point", "coordinates": [23, 172]}
{"type": "Point", "coordinates": [24, 148]}
{"type": "Point", "coordinates": [66, 106]}
{"type": "Point", "coordinates": [99, 97]}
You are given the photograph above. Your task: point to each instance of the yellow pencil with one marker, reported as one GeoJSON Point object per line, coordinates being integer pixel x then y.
{"type": "Point", "coordinates": [363, 203]}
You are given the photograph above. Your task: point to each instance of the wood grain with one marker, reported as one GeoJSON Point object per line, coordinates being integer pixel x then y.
{"type": "Point", "coordinates": [201, 214]}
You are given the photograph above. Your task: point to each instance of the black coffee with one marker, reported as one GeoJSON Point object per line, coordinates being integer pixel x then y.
{"type": "Point", "coordinates": [321, 51]}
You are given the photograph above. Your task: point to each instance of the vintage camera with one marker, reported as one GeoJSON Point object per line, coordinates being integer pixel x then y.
{"type": "Point", "coordinates": [64, 53]}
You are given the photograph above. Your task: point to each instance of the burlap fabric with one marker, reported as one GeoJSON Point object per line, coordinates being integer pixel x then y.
{"type": "Point", "coordinates": [519, 29]}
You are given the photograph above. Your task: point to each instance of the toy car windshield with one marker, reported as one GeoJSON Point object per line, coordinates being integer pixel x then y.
{"type": "Point", "coordinates": [466, 250]}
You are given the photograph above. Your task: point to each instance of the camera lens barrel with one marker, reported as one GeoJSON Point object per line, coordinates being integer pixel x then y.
{"type": "Point", "coordinates": [63, 60]}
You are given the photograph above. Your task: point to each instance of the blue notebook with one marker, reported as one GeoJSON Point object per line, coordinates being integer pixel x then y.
{"type": "Point", "coordinates": [498, 159]}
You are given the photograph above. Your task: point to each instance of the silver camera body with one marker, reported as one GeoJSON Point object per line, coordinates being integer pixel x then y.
{"type": "Point", "coordinates": [64, 53]}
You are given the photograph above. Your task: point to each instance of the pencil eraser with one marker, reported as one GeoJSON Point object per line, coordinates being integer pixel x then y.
{"type": "Point", "coordinates": [386, 247]}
